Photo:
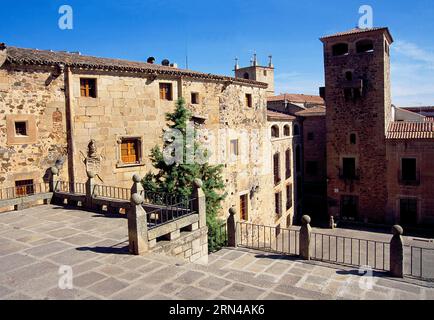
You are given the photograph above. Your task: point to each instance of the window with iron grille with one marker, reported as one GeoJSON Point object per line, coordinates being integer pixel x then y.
{"type": "Point", "coordinates": [276, 168]}
{"type": "Point", "coordinates": [24, 187]}
{"type": "Point", "coordinates": [288, 163]}
{"type": "Point", "coordinates": [130, 151]}
{"type": "Point", "coordinates": [288, 196]}
{"type": "Point", "coordinates": [166, 91]}
{"type": "Point", "coordinates": [244, 213]}
{"type": "Point", "coordinates": [88, 87]}
{"type": "Point", "coordinates": [278, 203]}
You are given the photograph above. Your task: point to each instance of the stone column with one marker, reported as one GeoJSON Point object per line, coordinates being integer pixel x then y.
{"type": "Point", "coordinates": [232, 227]}
{"type": "Point", "coordinates": [199, 202]}
{"type": "Point", "coordinates": [137, 185]}
{"type": "Point", "coordinates": [397, 252]}
{"type": "Point", "coordinates": [90, 184]}
{"type": "Point", "coordinates": [305, 236]}
{"type": "Point", "coordinates": [137, 226]}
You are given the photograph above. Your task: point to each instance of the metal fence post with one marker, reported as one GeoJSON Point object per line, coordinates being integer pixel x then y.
{"type": "Point", "coordinates": [231, 225]}
{"type": "Point", "coordinates": [397, 252]}
{"type": "Point", "coordinates": [137, 226]}
{"type": "Point", "coordinates": [305, 236]}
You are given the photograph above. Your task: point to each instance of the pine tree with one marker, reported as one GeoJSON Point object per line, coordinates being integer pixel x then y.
{"type": "Point", "coordinates": [178, 178]}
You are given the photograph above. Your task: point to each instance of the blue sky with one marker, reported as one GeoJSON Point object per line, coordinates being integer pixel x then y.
{"type": "Point", "coordinates": [212, 33]}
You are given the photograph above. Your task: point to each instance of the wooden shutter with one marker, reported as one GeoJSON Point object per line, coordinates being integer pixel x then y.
{"type": "Point", "coordinates": [243, 208]}
{"type": "Point", "coordinates": [130, 151]}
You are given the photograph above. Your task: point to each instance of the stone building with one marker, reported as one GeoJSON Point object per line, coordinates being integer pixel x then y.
{"type": "Point", "coordinates": [53, 104]}
{"type": "Point", "coordinates": [377, 155]}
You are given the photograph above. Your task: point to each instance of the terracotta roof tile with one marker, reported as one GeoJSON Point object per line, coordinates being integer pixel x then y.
{"type": "Point", "coordinates": [357, 31]}
{"type": "Point", "coordinates": [278, 116]}
{"type": "Point", "coordinates": [410, 130]}
{"type": "Point", "coordinates": [46, 57]}
{"type": "Point", "coordinates": [314, 111]}
{"type": "Point", "coordinates": [298, 98]}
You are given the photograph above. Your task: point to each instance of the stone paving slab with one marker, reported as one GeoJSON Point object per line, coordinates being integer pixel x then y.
{"type": "Point", "coordinates": [36, 242]}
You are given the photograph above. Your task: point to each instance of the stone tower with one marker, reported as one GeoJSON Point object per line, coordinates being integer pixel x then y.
{"type": "Point", "coordinates": [257, 73]}
{"type": "Point", "coordinates": [357, 97]}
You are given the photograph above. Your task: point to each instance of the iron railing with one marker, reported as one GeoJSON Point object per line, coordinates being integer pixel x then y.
{"type": "Point", "coordinates": [111, 192]}
{"type": "Point", "coordinates": [267, 238]}
{"type": "Point", "coordinates": [71, 187]}
{"type": "Point", "coordinates": [162, 213]}
{"type": "Point", "coordinates": [421, 263]}
{"type": "Point", "coordinates": [350, 251]}
{"type": "Point", "coordinates": [24, 190]}
{"type": "Point", "coordinates": [217, 237]}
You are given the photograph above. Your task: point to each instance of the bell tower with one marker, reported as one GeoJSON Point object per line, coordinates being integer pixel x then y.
{"type": "Point", "coordinates": [257, 73]}
{"type": "Point", "coordinates": [358, 102]}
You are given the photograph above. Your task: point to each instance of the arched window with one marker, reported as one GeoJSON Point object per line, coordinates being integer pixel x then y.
{"type": "Point", "coordinates": [275, 131]}
{"type": "Point", "coordinates": [286, 131]}
{"type": "Point", "coordinates": [340, 49]}
{"type": "Point", "coordinates": [365, 46]}
{"type": "Point", "coordinates": [296, 130]}
{"type": "Point", "coordinates": [246, 75]}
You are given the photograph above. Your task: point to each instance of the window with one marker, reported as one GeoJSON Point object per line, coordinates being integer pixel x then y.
{"type": "Point", "coordinates": [166, 91]}
{"type": "Point", "coordinates": [88, 87]}
{"type": "Point", "coordinates": [194, 98]}
{"type": "Point", "coordinates": [310, 136]}
{"type": "Point", "coordinates": [21, 128]}
{"type": "Point", "coordinates": [349, 168]}
{"type": "Point", "coordinates": [409, 169]}
{"type": "Point", "coordinates": [249, 100]}
{"type": "Point", "coordinates": [288, 197]}
{"type": "Point", "coordinates": [348, 94]}
{"type": "Point", "coordinates": [340, 49]}
{"type": "Point", "coordinates": [244, 213]}
{"type": "Point", "coordinates": [349, 76]}
{"type": "Point", "coordinates": [365, 46]}
{"type": "Point", "coordinates": [234, 147]}
{"type": "Point", "coordinates": [288, 163]}
{"type": "Point", "coordinates": [349, 207]}
{"type": "Point", "coordinates": [265, 73]}
{"type": "Point", "coordinates": [130, 151]}
{"type": "Point", "coordinates": [296, 130]}
{"type": "Point", "coordinates": [276, 168]}
{"type": "Point", "coordinates": [353, 138]}
{"type": "Point", "coordinates": [246, 76]}
{"type": "Point", "coordinates": [24, 187]}
{"type": "Point", "coordinates": [408, 211]}
{"type": "Point", "coordinates": [275, 131]}
{"type": "Point", "coordinates": [278, 203]}
{"type": "Point", "coordinates": [311, 168]}
{"type": "Point", "coordinates": [287, 131]}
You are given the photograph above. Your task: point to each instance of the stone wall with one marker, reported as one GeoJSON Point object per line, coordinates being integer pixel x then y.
{"type": "Point", "coordinates": [34, 95]}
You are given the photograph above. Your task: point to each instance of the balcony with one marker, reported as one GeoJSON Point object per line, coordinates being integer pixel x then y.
{"type": "Point", "coordinates": [409, 179]}
{"type": "Point", "coordinates": [350, 175]}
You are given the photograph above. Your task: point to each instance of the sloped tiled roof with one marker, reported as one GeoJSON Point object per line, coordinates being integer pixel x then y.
{"type": "Point", "coordinates": [410, 130]}
{"type": "Point", "coordinates": [298, 98]}
{"type": "Point", "coordinates": [278, 116]}
{"type": "Point", "coordinates": [357, 31]}
{"type": "Point", "coordinates": [314, 111]}
{"type": "Point", "coordinates": [46, 57]}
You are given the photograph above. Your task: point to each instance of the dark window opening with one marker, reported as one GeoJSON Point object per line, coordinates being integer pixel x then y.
{"type": "Point", "coordinates": [409, 172]}
{"type": "Point", "coordinates": [349, 168]}
{"type": "Point", "coordinates": [234, 147]}
{"type": "Point", "coordinates": [275, 131]}
{"type": "Point", "coordinates": [310, 136]}
{"type": "Point", "coordinates": [340, 49]}
{"type": "Point", "coordinates": [246, 76]}
{"type": "Point", "coordinates": [249, 100]}
{"type": "Point", "coordinates": [244, 213]}
{"type": "Point", "coordinates": [349, 76]}
{"type": "Point", "coordinates": [24, 187]}
{"type": "Point", "coordinates": [265, 73]}
{"type": "Point", "coordinates": [348, 94]}
{"type": "Point", "coordinates": [353, 138]}
{"type": "Point", "coordinates": [194, 98]}
{"type": "Point", "coordinates": [166, 91]}
{"type": "Point", "coordinates": [349, 207]}
{"type": "Point", "coordinates": [88, 87]}
{"type": "Point", "coordinates": [408, 211]}
{"type": "Point", "coordinates": [286, 131]}
{"type": "Point", "coordinates": [276, 168]}
{"type": "Point", "coordinates": [311, 168]}
{"type": "Point", "coordinates": [130, 151]}
{"type": "Point", "coordinates": [21, 128]}
{"type": "Point", "coordinates": [288, 197]}
{"type": "Point", "coordinates": [296, 130]}
{"type": "Point", "coordinates": [278, 203]}
{"type": "Point", "coordinates": [365, 46]}
{"type": "Point", "coordinates": [288, 163]}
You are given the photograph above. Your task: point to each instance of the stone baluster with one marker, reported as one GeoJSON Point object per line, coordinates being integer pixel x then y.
{"type": "Point", "coordinates": [90, 184]}
{"type": "Point", "coordinates": [231, 225]}
{"type": "Point", "coordinates": [199, 202]}
{"type": "Point", "coordinates": [137, 226]}
{"type": "Point", "coordinates": [54, 179]}
{"type": "Point", "coordinates": [397, 252]}
{"type": "Point", "coordinates": [305, 237]}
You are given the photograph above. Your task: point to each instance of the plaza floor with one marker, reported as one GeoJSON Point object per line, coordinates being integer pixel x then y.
{"type": "Point", "coordinates": [35, 243]}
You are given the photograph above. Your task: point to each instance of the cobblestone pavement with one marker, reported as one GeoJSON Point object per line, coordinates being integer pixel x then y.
{"type": "Point", "coordinates": [36, 242]}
